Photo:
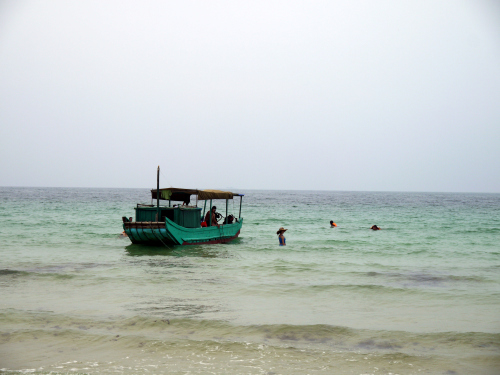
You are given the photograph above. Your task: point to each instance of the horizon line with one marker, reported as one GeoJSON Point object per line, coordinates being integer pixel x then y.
{"type": "Point", "coordinates": [267, 189]}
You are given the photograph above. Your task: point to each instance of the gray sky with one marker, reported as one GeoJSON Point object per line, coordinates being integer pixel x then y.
{"type": "Point", "coordinates": [321, 95]}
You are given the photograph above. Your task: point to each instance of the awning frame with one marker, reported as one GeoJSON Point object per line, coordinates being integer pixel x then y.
{"type": "Point", "coordinates": [183, 195]}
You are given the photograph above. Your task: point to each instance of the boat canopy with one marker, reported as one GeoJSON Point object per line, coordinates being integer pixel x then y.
{"type": "Point", "coordinates": [183, 195]}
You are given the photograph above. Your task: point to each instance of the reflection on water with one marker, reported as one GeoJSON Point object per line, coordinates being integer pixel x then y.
{"type": "Point", "coordinates": [204, 251]}
{"type": "Point", "coordinates": [143, 250]}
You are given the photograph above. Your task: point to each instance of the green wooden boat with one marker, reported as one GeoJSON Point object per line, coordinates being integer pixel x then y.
{"type": "Point", "coordinates": [181, 224]}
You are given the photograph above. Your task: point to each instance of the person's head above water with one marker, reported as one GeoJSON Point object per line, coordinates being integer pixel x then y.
{"type": "Point", "coordinates": [281, 230]}
{"type": "Point", "coordinates": [374, 227]}
{"type": "Point", "coordinates": [332, 224]}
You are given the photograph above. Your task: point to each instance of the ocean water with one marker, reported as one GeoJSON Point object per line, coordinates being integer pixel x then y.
{"type": "Point", "coordinates": [420, 296]}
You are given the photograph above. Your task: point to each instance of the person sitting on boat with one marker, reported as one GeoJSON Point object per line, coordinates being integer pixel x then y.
{"type": "Point", "coordinates": [214, 217]}
{"type": "Point", "coordinates": [374, 227]}
{"type": "Point", "coordinates": [281, 238]}
{"type": "Point", "coordinates": [332, 224]}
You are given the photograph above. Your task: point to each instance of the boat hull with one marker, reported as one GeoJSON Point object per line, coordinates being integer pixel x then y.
{"type": "Point", "coordinates": [169, 233]}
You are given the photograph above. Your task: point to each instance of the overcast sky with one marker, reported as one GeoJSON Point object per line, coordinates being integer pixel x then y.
{"type": "Point", "coordinates": [321, 95]}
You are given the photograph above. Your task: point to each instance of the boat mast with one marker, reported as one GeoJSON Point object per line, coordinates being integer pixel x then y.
{"type": "Point", "coordinates": [226, 209]}
{"type": "Point", "coordinates": [158, 194]}
{"type": "Point", "coordinates": [210, 217]}
{"type": "Point", "coordinates": [241, 201]}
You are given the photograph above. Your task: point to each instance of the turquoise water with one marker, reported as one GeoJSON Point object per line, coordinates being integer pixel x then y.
{"type": "Point", "coordinates": [422, 295]}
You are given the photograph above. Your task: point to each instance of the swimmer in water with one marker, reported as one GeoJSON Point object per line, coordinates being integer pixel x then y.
{"type": "Point", "coordinates": [281, 238]}
{"type": "Point", "coordinates": [332, 224]}
{"type": "Point", "coordinates": [374, 227]}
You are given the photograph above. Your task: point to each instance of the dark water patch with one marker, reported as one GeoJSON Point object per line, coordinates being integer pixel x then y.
{"type": "Point", "coordinates": [203, 251]}
{"type": "Point", "coordinates": [142, 250]}
{"type": "Point", "coordinates": [314, 291]}
{"type": "Point", "coordinates": [65, 267]}
{"type": "Point", "coordinates": [433, 280]}
{"type": "Point", "coordinates": [175, 309]}
{"type": "Point", "coordinates": [9, 272]}
{"type": "Point", "coordinates": [319, 333]}
{"type": "Point", "coordinates": [333, 241]}
{"type": "Point", "coordinates": [362, 288]}
{"type": "Point", "coordinates": [65, 271]}
{"type": "Point", "coordinates": [427, 279]}
{"type": "Point", "coordinates": [476, 279]}
{"type": "Point", "coordinates": [480, 230]}
{"type": "Point", "coordinates": [162, 262]}
{"type": "Point", "coordinates": [417, 252]}
{"type": "Point", "coordinates": [371, 344]}
{"type": "Point", "coordinates": [57, 276]}
{"type": "Point", "coordinates": [24, 274]}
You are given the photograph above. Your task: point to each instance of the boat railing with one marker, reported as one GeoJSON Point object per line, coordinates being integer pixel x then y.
{"type": "Point", "coordinates": [145, 224]}
{"type": "Point", "coordinates": [181, 206]}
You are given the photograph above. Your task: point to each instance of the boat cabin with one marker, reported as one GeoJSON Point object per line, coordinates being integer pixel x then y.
{"type": "Point", "coordinates": [185, 216]}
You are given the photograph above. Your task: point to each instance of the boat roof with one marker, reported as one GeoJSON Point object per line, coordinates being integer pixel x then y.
{"type": "Point", "coordinates": [178, 194]}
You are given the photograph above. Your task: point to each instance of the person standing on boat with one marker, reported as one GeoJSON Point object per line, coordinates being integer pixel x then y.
{"type": "Point", "coordinates": [281, 237]}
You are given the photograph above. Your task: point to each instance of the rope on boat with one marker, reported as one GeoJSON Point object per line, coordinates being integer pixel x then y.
{"type": "Point", "coordinates": [221, 232]}
{"type": "Point", "coordinates": [172, 250]}
{"type": "Point", "coordinates": [159, 238]}
{"type": "Point", "coordinates": [164, 177]}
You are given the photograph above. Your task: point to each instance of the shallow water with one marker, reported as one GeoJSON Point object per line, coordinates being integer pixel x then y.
{"type": "Point", "coordinates": [422, 295]}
